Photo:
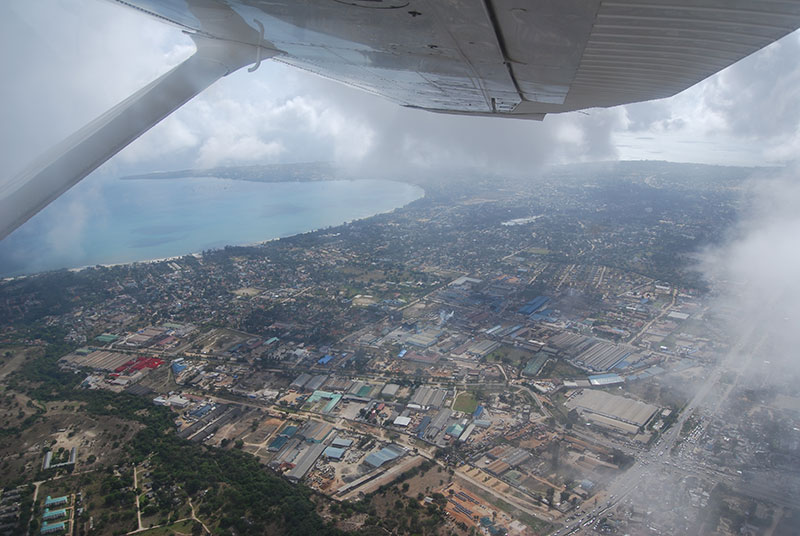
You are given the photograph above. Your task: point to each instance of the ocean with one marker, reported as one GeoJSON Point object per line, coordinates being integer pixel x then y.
{"type": "Point", "coordinates": [124, 221]}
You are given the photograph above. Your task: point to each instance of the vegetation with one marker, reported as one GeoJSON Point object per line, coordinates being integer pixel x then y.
{"type": "Point", "coordinates": [465, 402]}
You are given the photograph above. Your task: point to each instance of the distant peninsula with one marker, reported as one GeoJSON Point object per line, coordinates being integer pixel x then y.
{"type": "Point", "coordinates": [296, 172]}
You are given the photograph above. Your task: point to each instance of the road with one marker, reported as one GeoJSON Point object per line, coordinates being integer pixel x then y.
{"type": "Point", "coordinates": [136, 490]}
{"type": "Point", "coordinates": [657, 318]}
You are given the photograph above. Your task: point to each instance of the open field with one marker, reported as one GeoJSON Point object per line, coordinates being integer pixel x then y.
{"type": "Point", "coordinates": [510, 355]}
{"type": "Point", "coordinates": [465, 402]}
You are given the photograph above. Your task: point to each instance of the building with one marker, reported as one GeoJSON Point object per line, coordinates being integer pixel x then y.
{"type": "Point", "coordinates": [333, 453]}
{"type": "Point", "coordinates": [277, 443]}
{"type": "Point", "coordinates": [55, 501]}
{"type": "Point", "coordinates": [429, 397]}
{"type": "Point", "coordinates": [53, 528]}
{"type": "Point", "coordinates": [305, 461]}
{"type": "Point", "coordinates": [535, 365]}
{"type": "Point", "coordinates": [616, 412]}
{"type": "Point", "coordinates": [315, 431]}
{"type": "Point", "coordinates": [600, 380]}
{"type": "Point", "coordinates": [289, 431]}
{"type": "Point", "coordinates": [466, 433]}
{"type": "Point", "coordinates": [50, 515]}
{"type": "Point", "coordinates": [341, 442]}
{"type": "Point", "coordinates": [386, 454]}
{"type": "Point", "coordinates": [390, 390]}
{"type": "Point", "coordinates": [300, 381]}
{"type": "Point", "coordinates": [402, 421]}
{"type": "Point", "coordinates": [332, 398]}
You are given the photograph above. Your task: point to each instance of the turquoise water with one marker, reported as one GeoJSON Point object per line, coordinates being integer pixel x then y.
{"type": "Point", "coordinates": [135, 220]}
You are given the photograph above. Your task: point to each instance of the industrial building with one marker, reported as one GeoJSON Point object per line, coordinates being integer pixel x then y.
{"type": "Point", "coordinates": [341, 442]}
{"type": "Point", "coordinates": [386, 454]}
{"type": "Point", "coordinates": [390, 390]}
{"type": "Point", "coordinates": [534, 305]}
{"type": "Point", "coordinates": [315, 382]}
{"type": "Point", "coordinates": [429, 397]}
{"type": "Point", "coordinates": [482, 348]}
{"type": "Point", "coordinates": [402, 421]}
{"type": "Point", "coordinates": [535, 365]}
{"type": "Point", "coordinates": [315, 431]}
{"type": "Point", "coordinates": [332, 398]}
{"type": "Point", "coordinates": [305, 461]}
{"type": "Point", "coordinates": [300, 381]}
{"type": "Point", "coordinates": [425, 338]}
{"type": "Point", "coordinates": [600, 380]}
{"type": "Point", "coordinates": [333, 453]}
{"type": "Point", "coordinates": [616, 412]}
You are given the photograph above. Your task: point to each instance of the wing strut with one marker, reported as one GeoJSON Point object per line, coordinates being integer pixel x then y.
{"type": "Point", "coordinates": [61, 167]}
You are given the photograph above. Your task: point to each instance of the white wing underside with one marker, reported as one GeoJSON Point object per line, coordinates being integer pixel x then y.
{"type": "Point", "coordinates": [502, 58]}
{"type": "Point", "coordinates": [505, 57]}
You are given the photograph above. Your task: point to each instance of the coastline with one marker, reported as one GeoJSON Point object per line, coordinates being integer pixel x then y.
{"type": "Point", "coordinates": [199, 255]}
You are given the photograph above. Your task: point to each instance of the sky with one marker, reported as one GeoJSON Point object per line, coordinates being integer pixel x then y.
{"type": "Point", "coordinates": [66, 61]}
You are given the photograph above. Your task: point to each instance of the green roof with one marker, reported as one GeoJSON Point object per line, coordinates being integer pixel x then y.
{"type": "Point", "coordinates": [535, 365]}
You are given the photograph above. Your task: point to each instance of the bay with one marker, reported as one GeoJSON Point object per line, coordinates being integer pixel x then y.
{"type": "Point", "coordinates": [136, 220]}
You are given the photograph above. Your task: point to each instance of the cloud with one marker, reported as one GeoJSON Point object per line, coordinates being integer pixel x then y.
{"type": "Point", "coordinates": [755, 270]}
{"type": "Point", "coordinates": [750, 110]}
{"type": "Point", "coordinates": [65, 62]}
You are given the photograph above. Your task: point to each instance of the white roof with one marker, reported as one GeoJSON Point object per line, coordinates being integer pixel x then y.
{"type": "Point", "coordinates": [402, 421]}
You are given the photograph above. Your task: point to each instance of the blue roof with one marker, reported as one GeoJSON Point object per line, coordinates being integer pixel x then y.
{"type": "Point", "coordinates": [324, 360]}
{"type": "Point", "coordinates": [289, 431]}
{"type": "Point", "coordinates": [478, 412]}
{"type": "Point", "coordinates": [278, 443]}
{"type": "Point", "coordinates": [177, 368]}
{"type": "Point", "coordinates": [423, 424]}
{"type": "Point", "coordinates": [454, 430]}
{"type": "Point", "coordinates": [201, 411]}
{"type": "Point", "coordinates": [534, 305]}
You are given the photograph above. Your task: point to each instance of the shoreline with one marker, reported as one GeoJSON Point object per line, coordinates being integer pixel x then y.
{"type": "Point", "coordinates": [199, 255]}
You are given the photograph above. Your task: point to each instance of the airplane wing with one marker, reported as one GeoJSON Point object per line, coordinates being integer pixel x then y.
{"type": "Point", "coordinates": [516, 58]}
{"type": "Point", "coordinates": [501, 58]}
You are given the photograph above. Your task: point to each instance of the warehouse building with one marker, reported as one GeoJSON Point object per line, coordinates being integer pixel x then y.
{"type": "Point", "coordinates": [616, 412]}
{"type": "Point", "coordinates": [385, 455]}
{"type": "Point", "coordinates": [305, 461]}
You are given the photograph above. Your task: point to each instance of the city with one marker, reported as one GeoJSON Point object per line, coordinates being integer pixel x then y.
{"type": "Point", "coordinates": [502, 356]}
